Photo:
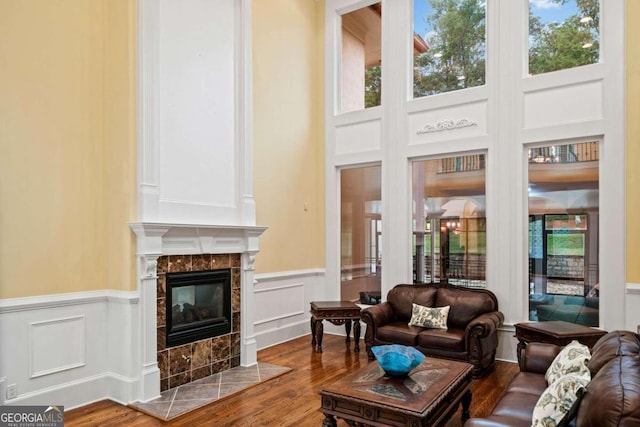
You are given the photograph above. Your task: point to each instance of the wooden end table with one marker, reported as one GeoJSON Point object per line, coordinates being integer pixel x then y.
{"type": "Point", "coordinates": [555, 332]}
{"type": "Point", "coordinates": [429, 396]}
{"type": "Point", "coordinates": [338, 313]}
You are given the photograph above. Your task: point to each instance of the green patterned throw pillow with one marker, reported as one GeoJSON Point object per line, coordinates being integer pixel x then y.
{"type": "Point", "coordinates": [429, 317]}
{"type": "Point", "coordinates": [572, 359]}
{"type": "Point", "coordinates": [558, 400]}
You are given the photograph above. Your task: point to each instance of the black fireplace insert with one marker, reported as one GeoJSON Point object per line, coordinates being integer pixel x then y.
{"type": "Point", "coordinates": [198, 305]}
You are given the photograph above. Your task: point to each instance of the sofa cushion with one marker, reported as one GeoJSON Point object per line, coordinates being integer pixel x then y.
{"type": "Point", "coordinates": [572, 359]}
{"type": "Point", "coordinates": [398, 333]}
{"type": "Point", "coordinates": [451, 339]}
{"type": "Point", "coordinates": [557, 401]}
{"type": "Point", "coordinates": [527, 382]}
{"type": "Point", "coordinates": [612, 397]}
{"type": "Point", "coordinates": [615, 343]}
{"type": "Point", "coordinates": [402, 297]}
{"type": "Point", "coordinates": [516, 406]}
{"type": "Point", "coordinates": [429, 317]}
{"type": "Point", "coordinates": [465, 304]}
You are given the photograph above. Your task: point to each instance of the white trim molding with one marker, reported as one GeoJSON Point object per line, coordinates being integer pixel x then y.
{"type": "Point", "coordinates": [633, 288]}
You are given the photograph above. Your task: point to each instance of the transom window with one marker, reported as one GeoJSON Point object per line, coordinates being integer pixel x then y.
{"type": "Point", "coordinates": [449, 45]}
{"type": "Point", "coordinates": [563, 34]}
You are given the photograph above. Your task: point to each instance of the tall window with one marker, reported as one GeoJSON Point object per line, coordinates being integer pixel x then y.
{"type": "Point", "coordinates": [449, 45]}
{"type": "Point", "coordinates": [360, 233]}
{"type": "Point", "coordinates": [361, 59]}
{"type": "Point", "coordinates": [449, 224]}
{"type": "Point", "coordinates": [563, 233]}
{"type": "Point", "coordinates": [563, 34]}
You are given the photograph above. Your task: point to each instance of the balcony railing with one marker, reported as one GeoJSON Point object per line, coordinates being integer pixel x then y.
{"type": "Point", "coordinates": [569, 153]}
{"type": "Point", "coordinates": [474, 162]}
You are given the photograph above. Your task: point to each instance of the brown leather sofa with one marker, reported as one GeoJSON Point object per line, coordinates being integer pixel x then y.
{"type": "Point", "coordinates": [471, 335]}
{"type": "Point", "coordinates": [612, 398]}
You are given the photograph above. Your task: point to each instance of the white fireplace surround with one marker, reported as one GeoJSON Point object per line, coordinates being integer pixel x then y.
{"type": "Point", "coordinates": [157, 239]}
{"type": "Point", "coordinates": [195, 152]}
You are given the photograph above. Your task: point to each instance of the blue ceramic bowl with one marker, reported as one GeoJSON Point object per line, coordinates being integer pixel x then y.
{"type": "Point", "coordinates": [397, 360]}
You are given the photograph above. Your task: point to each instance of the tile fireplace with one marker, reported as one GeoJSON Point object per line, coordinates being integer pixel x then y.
{"type": "Point", "coordinates": [186, 251]}
{"type": "Point", "coordinates": [190, 348]}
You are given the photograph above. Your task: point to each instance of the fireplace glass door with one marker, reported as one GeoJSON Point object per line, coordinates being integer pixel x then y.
{"type": "Point", "coordinates": [198, 305]}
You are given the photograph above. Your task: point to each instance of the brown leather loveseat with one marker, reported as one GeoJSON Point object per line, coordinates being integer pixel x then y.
{"type": "Point", "coordinates": [471, 335]}
{"type": "Point", "coordinates": [612, 397]}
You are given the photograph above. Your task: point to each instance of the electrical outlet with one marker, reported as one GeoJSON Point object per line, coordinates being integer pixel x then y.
{"type": "Point", "coordinates": [12, 391]}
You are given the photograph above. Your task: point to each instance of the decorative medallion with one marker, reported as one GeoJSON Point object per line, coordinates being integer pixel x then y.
{"type": "Point", "coordinates": [446, 125]}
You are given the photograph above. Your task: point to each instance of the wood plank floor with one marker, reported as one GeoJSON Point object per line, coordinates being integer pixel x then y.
{"type": "Point", "coordinates": [289, 400]}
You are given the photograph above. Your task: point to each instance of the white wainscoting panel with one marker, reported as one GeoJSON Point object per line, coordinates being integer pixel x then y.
{"type": "Point", "coordinates": [564, 105]}
{"type": "Point", "coordinates": [507, 344]}
{"type": "Point", "coordinates": [50, 335]}
{"type": "Point", "coordinates": [278, 303]}
{"type": "Point", "coordinates": [70, 349]}
{"type": "Point", "coordinates": [282, 304]}
{"type": "Point", "coordinates": [358, 137]}
{"type": "Point", "coordinates": [632, 302]}
{"type": "Point", "coordinates": [444, 124]}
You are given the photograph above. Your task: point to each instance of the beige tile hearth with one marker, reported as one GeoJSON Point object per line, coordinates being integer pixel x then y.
{"type": "Point", "coordinates": [180, 400]}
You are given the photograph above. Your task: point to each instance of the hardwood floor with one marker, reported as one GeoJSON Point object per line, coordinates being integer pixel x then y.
{"type": "Point", "coordinates": [289, 400]}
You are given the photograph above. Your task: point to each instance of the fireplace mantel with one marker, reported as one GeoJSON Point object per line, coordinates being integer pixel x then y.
{"type": "Point", "coordinates": [155, 239]}
{"type": "Point", "coordinates": [158, 238]}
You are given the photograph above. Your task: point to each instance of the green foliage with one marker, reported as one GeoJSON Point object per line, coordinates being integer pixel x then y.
{"type": "Point", "coordinates": [458, 37]}
{"type": "Point", "coordinates": [558, 46]}
{"type": "Point", "coordinates": [372, 87]}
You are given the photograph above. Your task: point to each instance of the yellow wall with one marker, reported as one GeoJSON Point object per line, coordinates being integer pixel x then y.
{"type": "Point", "coordinates": [288, 93]}
{"type": "Point", "coordinates": [67, 133]}
{"type": "Point", "coordinates": [633, 142]}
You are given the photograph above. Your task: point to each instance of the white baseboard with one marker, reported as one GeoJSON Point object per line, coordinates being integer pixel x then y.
{"type": "Point", "coordinates": [79, 393]}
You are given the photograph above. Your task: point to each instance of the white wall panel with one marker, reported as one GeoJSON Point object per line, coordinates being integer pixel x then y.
{"type": "Point", "coordinates": [282, 304]}
{"type": "Point", "coordinates": [195, 139]}
{"type": "Point", "coordinates": [563, 105]}
{"type": "Point", "coordinates": [278, 303]}
{"type": "Point", "coordinates": [632, 300]}
{"type": "Point", "coordinates": [196, 108]}
{"type": "Point", "coordinates": [358, 137]}
{"type": "Point", "coordinates": [54, 335]}
{"type": "Point", "coordinates": [71, 349]}
{"type": "Point", "coordinates": [450, 123]}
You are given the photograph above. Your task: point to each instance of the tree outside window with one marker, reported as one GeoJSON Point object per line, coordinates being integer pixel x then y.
{"type": "Point", "coordinates": [563, 34]}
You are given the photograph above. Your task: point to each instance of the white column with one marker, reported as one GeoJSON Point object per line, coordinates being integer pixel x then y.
{"type": "Point", "coordinates": [149, 371]}
{"type": "Point", "coordinates": [149, 248]}
{"type": "Point", "coordinates": [249, 346]}
{"type": "Point", "coordinates": [244, 111]}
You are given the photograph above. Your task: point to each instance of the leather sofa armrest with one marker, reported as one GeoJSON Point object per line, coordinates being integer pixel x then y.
{"type": "Point", "coordinates": [537, 357]}
{"type": "Point", "coordinates": [484, 325]}
{"type": "Point", "coordinates": [376, 315]}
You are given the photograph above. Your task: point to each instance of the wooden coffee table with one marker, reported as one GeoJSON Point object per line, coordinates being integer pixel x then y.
{"type": "Point", "coordinates": [556, 332]}
{"type": "Point", "coordinates": [338, 313]}
{"type": "Point", "coordinates": [428, 397]}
